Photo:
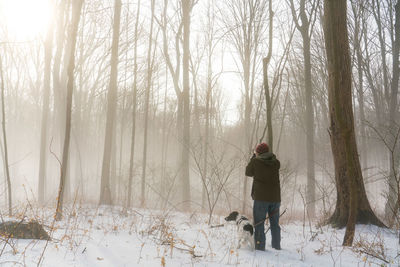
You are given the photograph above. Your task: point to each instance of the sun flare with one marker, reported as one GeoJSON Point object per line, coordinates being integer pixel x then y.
{"type": "Point", "coordinates": [25, 19]}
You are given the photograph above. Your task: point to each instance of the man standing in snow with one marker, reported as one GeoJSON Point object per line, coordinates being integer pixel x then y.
{"type": "Point", "coordinates": [266, 193]}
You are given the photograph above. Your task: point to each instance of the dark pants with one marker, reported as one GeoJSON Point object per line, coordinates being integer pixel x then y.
{"type": "Point", "coordinates": [260, 210]}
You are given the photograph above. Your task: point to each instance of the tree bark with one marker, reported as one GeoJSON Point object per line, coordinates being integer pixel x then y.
{"type": "Point", "coordinates": [267, 93]}
{"type": "Point", "coordinates": [304, 28]}
{"type": "Point", "coordinates": [76, 13]}
{"type": "Point", "coordinates": [392, 204]}
{"type": "Point", "coordinates": [45, 115]}
{"type": "Point", "coordinates": [207, 126]}
{"type": "Point", "coordinates": [358, 17]}
{"type": "Point", "coordinates": [146, 108]}
{"type": "Point", "coordinates": [185, 176]}
{"type": "Point", "coordinates": [352, 205]}
{"type": "Point", "coordinates": [134, 107]}
{"type": "Point", "coordinates": [7, 170]}
{"type": "Point", "coordinates": [175, 74]}
{"type": "Point", "coordinates": [164, 146]}
{"type": "Point", "coordinates": [105, 190]}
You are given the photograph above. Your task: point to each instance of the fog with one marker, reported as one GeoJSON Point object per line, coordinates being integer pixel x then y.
{"type": "Point", "coordinates": [227, 104]}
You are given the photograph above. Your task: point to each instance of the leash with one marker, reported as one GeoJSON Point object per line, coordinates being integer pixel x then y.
{"type": "Point", "coordinates": [258, 223]}
{"type": "Point", "coordinates": [270, 215]}
{"type": "Point", "coordinates": [216, 226]}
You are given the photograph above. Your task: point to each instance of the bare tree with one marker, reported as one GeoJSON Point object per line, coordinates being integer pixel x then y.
{"type": "Point", "coordinates": [391, 143]}
{"type": "Point", "coordinates": [76, 14]}
{"type": "Point", "coordinates": [352, 204]}
{"type": "Point", "coordinates": [175, 70]}
{"type": "Point", "coordinates": [185, 177]}
{"type": "Point", "coordinates": [45, 114]}
{"type": "Point", "coordinates": [304, 24]}
{"type": "Point", "coordinates": [359, 15]}
{"type": "Point", "coordinates": [182, 34]}
{"type": "Point", "coordinates": [384, 88]}
{"type": "Point", "coordinates": [3, 118]}
{"type": "Point", "coordinates": [393, 118]}
{"type": "Point", "coordinates": [220, 169]}
{"type": "Point", "coordinates": [150, 63]}
{"type": "Point", "coordinates": [134, 104]}
{"type": "Point", "coordinates": [272, 83]}
{"type": "Point", "coordinates": [105, 191]}
{"type": "Point", "coordinates": [60, 78]}
{"type": "Point", "coordinates": [267, 94]}
{"type": "Point", "coordinates": [245, 24]}
{"type": "Point", "coordinates": [212, 40]}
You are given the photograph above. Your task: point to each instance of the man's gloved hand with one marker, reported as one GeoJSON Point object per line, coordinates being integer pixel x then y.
{"type": "Point", "coordinates": [254, 155]}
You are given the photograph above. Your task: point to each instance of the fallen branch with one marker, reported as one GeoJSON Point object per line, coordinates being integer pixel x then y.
{"type": "Point", "coordinates": [190, 250]}
{"type": "Point", "coordinates": [374, 255]}
{"type": "Point", "coordinates": [373, 249]}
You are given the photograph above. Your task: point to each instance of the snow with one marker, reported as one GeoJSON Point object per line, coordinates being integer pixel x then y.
{"type": "Point", "coordinates": [106, 236]}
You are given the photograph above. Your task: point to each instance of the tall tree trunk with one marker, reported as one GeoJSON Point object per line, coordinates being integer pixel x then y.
{"type": "Point", "coordinates": [310, 129]}
{"type": "Point", "coordinates": [4, 166]}
{"type": "Point", "coordinates": [207, 142]}
{"type": "Point", "coordinates": [247, 125]}
{"type": "Point", "coordinates": [392, 204]}
{"type": "Point", "coordinates": [57, 87]}
{"type": "Point", "coordinates": [185, 177]}
{"type": "Point", "coordinates": [267, 93]}
{"type": "Point", "coordinates": [3, 117]}
{"type": "Point", "coordinates": [175, 74]}
{"type": "Point", "coordinates": [76, 13]}
{"type": "Point", "coordinates": [393, 108]}
{"type": "Point", "coordinates": [60, 77]}
{"type": "Point", "coordinates": [78, 115]}
{"type": "Point", "coordinates": [206, 132]}
{"type": "Point", "coordinates": [62, 98]}
{"type": "Point", "coordinates": [119, 186]}
{"type": "Point", "coordinates": [134, 107]}
{"type": "Point", "coordinates": [164, 145]}
{"type": "Point", "coordinates": [59, 48]}
{"type": "Point", "coordinates": [358, 17]}
{"type": "Point", "coordinates": [352, 205]}
{"type": "Point", "coordinates": [304, 29]}
{"type": "Point", "coordinates": [113, 162]}
{"type": "Point", "coordinates": [105, 190]}
{"type": "Point", "coordinates": [45, 115]}
{"type": "Point", "coordinates": [146, 108]}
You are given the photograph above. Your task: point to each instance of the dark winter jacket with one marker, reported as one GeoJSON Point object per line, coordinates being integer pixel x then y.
{"type": "Point", "coordinates": [265, 172]}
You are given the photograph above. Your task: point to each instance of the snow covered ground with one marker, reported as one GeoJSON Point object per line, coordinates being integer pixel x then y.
{"type": "Point", "coordinates": [106, 237]}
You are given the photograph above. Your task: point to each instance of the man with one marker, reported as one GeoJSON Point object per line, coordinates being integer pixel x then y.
{"type": "Point", "coordinates": [266, 193]}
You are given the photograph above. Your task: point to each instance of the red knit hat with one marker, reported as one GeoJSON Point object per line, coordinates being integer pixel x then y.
{"type": "Point", "coordinates": [262, 148]}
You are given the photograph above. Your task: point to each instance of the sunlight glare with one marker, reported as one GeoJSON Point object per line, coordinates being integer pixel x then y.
{"type": "Point", "coordinates": [26, 19]}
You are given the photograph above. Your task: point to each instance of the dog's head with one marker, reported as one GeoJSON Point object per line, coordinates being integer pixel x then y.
{"type": "Point", "coordinates": [233, 216]}
{"type": "Point", "coordinates": [248, 228]}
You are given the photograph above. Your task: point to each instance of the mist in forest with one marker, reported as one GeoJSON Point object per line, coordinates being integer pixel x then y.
{"type": "Point", "coordinates": [168, 100]}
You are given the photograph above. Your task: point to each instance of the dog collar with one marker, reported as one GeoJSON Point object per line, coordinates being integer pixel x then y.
{"type": "Point", "coordinates": [241, 220]}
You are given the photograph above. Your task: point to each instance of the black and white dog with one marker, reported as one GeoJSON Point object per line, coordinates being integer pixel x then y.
{"type": "Point", "coordinates": [245, 229]}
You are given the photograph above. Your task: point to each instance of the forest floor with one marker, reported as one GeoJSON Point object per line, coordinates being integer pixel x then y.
{"type": "Point", "coordinates": [106, 236]}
